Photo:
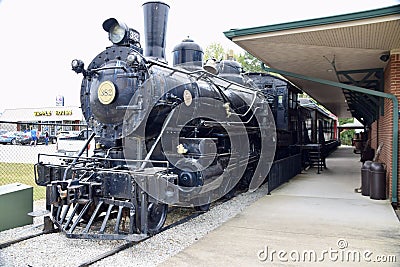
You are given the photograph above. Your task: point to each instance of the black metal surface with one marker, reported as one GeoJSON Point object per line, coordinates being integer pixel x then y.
{"type": "Point", "coordinates": [187, 52]}
{"type": "Point", "coordinates": [283, 170]}
{"type": "Point", "coordinates": [117, 186]}
{"type": "Point", "coordinates": [108, 115]}
{"type": "Point", "coordinates": [282, 98]}
{"type": "Point", "coordinates": [155, 28]}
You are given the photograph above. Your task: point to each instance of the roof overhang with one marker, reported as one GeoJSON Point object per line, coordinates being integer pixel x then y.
{"type": "Point", "coordinates": [344, 48]}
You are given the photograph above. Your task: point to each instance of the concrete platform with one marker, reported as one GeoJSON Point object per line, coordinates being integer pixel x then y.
{"type": "Point", "coordinates": [315, 219]}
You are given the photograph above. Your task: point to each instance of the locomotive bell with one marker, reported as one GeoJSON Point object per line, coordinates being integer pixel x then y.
{"type": "Point", "coordinates": [211, 66]}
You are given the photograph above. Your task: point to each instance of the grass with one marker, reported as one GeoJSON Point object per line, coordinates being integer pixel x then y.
{"type": "Point", "coordinates": [21, 173]}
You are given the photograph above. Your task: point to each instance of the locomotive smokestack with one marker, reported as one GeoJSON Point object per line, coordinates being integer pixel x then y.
{"type": "Point", "coordinates": [155, 28]}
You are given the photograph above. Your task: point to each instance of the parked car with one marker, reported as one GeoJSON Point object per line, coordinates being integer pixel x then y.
{"type": "Point", "coordinates": [42, 139]}
{"type": "Point", "coordinates": [9, 138]}
{"type": "Point", "coordinates": [70, 146]}
{"type": "Point", "coordinates": [26, 139]}
{"type": "Point", "coordinates": [67, 134]}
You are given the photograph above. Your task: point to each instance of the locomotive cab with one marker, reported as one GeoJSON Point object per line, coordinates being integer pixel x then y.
{"type": "Point", "coordinates": [282, 97]}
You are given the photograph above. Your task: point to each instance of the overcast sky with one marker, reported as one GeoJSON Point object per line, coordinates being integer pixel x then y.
{"type": "Point", "coordinates": [40, 38]}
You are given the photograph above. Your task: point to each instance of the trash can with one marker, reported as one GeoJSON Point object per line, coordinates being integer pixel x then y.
{"type": "Point", "coordinates": [365, 177]}
{"type": "Point", "coordinates": [377, 181]}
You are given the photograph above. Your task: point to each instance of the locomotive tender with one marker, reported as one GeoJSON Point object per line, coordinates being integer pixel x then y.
{"type": "Point", "coordinates": [184, 135]}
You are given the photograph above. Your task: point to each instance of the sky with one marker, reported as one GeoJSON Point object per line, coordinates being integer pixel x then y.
{"type": "Point", "coordinates": [40, 38]}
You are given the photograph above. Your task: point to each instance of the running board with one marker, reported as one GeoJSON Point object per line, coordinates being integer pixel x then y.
{"type": "Point", "coordinates": [38, 213]}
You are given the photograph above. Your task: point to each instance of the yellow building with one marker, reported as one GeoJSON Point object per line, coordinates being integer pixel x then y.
{"type": "Point", "coordinates": [52, 119]}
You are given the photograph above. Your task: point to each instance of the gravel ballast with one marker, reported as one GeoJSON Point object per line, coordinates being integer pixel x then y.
{"type": "Point", "coordinates": [58, 250]}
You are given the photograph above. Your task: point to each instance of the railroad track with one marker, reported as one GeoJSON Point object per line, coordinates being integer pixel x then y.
{"type": "Point", "coordinates": [17, 240]}
{"type": "Point", "coordinates": [46, 223]}
{"type": "Point", "coordinates": [130, 244]}
{"type": "Point", "coordinates": [49, 230]}
{"type": "Point", "coordinates": [133, 243]}
{"type": "Point", "coordinates": [175, 222]}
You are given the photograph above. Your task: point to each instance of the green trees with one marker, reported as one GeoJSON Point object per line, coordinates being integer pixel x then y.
{"type": "Point", "coordinates": [215, 50]}
{"type": "Point", "coordinates": [346, 136]}
{"type": "Point", "coordinates": [249, 62]}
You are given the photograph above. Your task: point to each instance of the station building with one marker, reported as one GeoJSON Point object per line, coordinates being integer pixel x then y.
{"type": "Point", "coordinates": [349, 63]}
{"type": "Point", "coordinates": [54, 119]}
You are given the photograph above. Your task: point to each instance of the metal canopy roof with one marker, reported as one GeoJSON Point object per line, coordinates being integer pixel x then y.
{"type": "Point", "coordinates": [344, 48]}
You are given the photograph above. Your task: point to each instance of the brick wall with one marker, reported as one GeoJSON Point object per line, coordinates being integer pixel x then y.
{"type": "Point", "coordinates": [382, 129]}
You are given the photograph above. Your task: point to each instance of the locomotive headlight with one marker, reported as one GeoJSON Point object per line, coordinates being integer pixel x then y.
{"type": "Point", "coordinates": [77, 65]}
{"type": "Point", "coordinates": [117, 31]}
{"type": "Point", "coordinates": [117, 34]}
{"type": "Point", "coordinates": [131, 59]}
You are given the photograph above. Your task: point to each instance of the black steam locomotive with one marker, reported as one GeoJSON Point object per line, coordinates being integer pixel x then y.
{"type": "Point", "coordinates": [184, 135]}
